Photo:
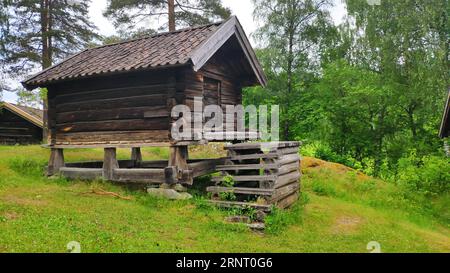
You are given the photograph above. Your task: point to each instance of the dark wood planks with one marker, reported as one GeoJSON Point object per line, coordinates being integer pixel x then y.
{"type": "Point", "coordinates": [277, 182]}
{"type": "Point", "coordinates": [16, 130]}
{"type": "Point", "coordinates": [122, 109]}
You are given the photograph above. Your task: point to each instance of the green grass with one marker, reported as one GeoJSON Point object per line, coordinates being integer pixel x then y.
{"type": "Point", "coordinates": [339, 211]}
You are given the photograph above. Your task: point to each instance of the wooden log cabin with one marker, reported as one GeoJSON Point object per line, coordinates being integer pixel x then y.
{"type": "Point", "coordinates": [20, 124]}
{"type": "Point", "coordinates": [121, 96]}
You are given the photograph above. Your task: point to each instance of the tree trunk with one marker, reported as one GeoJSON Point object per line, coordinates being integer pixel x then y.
{"type": "Point", "coordinates": [171, 15]}
{"type": "Point", "coordinates": [289, 79]}
{"type": "Point", "coordinates": [46, 56]}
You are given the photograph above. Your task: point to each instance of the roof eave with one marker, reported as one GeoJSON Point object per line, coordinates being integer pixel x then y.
{"type": "Point", "coordinates": [217, 39]}
{"type": "Point", "coordinates": [36, 121]}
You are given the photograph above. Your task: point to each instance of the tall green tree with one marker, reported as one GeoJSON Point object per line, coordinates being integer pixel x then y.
{"type": "Point", "coordinates": [131, 13]}
{"type": "Point", "coordinates": [292, 34]}
{"type": "Point", "coordinates": [407, 43]}
{"type": "Point", "coordinates": [36, 33]}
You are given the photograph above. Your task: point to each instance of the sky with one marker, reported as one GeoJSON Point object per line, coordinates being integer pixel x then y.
{"type": "Point", "coordinates": [243, 9]}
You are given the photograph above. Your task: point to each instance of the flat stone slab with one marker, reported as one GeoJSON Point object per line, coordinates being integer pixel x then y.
{"type": "Point", "coordinates": [238, 219]}
{"type": "Point", "coordinates": [169, 194]}
{"type": "Point", "coordinates": [257, 226]}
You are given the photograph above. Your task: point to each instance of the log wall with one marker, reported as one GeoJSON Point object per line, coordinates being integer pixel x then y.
{"type": "Point", "coordinates": [124, 109]}
{"type": "Point", "coordinates": [17, 130]}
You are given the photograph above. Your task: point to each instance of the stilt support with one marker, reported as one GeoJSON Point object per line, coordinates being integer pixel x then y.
{"type": "Point", "coordinates": [178, 169]}
{"type": "Point", "coordinates": [56, 161]}
{"type": "Point", "coordinates": [136, 156]}
{"type": "Point", "coordinates": [109, 163]}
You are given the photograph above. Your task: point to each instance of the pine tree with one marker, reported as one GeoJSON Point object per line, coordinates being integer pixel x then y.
{"type": "Point", "coordinates": [181, 13]}
{"type": "Point", "coordinates": [37, 33]}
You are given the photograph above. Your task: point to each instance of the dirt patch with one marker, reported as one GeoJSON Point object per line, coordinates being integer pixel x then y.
{"type": "Point", "coordinates": [25, 201]}
{"type": "Point", "coordinates": [311, 163]}
{"type": "Point", "coordinates": [11, 215]}
{"type": "Point", "coordinates": [347, 224]}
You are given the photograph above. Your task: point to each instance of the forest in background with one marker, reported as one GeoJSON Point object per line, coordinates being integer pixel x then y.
{"type": "Point", "coordinates": [368, 93]}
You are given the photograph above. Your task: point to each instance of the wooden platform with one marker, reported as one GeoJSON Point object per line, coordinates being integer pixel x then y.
{"type": "Point", "coordinates": [146, 172]}
{"type": "Point", "coordinates": [264, 175]}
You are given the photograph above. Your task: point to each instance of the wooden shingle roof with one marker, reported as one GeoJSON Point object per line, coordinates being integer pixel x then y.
{"type": "Point", "coordinates": [192, 45]}
{"type": "Point", "coordinates": [33, 115]}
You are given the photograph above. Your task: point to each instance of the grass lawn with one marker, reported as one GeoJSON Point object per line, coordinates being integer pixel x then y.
{"type": "Point", "coordinates": [340, 210]}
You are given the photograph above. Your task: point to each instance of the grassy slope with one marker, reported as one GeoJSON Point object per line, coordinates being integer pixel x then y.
{"type": "Point", "coordinates": [344, 211]}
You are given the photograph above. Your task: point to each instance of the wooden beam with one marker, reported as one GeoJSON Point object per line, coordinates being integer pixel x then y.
{"type": "Point", "coordinates": [239, 167]}
{"type": "Point", "coordinates": [178, 163]}
{"type": "Point", "coordinates": [241, 190]}
{"type": "Point", "coordinates": [136, 156]}
{"type": "Point", "coordinates": [232, 204]}
{"type": "Point", "coordinates": [109, 163]}
{"type": "Point", "coordinates": [81, 173]}
{"type": "Point", "coordinates": [150, 176]}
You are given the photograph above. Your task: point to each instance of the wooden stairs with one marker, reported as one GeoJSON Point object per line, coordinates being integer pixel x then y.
{"type": "Point", "coordinates": [263, 175]}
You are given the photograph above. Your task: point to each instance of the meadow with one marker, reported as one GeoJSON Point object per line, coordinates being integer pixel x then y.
{"type": "Point", "coordinates": [340, 210]}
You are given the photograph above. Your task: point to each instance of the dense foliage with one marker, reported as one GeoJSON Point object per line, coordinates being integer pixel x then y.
{"type": "Point", "coordinates": [371, 96]}
{"type": "Point", "coordinates": [368, 93]}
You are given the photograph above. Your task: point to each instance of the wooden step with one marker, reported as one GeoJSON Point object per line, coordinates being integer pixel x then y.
{"type": "Point", "coordinates": [258, 145]}
{"type": "Point", "coordinates": [247, 178]}
{"type": "Point", "coordinates": [255, 156]}
{"type": "Point", "coordinates": [238, 167]}
{"type": "Point", "coordinates": [241, 190]}
{"type": "Point", "coordinates": [232, 204]}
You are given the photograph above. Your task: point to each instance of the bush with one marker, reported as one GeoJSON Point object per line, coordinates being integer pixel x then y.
{"type": "Point", "coordinates": [429, 175]}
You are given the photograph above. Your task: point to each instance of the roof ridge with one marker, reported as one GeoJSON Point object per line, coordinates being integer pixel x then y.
{"type": "Point", "coordinates": [158, 35]}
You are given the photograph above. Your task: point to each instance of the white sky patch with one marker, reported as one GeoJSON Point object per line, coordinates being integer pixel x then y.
{"type": "Point", "coordinates": [243, 9]}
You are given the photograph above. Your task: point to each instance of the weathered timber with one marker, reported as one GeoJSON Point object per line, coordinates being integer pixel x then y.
{"type": "Point", "coordinates": [81, 173]}
{"type": "Point", "coordinates": [136, 156]}
{"type": "Point", "coordinates": [259, 145]}
{"type": "Point", "coordinates": [255, 156]}
{"type": "Point", "coordinates": [286, 179]}
{"type": "Point", "coordinates": [56, 161]}
{"type": "Point", "coordinates": [248, 178]}
{"type": "Point", "coordinates": [288, 201]}
{"type": "Point", "coordinates": [289, 158]}
{"type": "Point", "coordinates": [238, 167]}
{"type": "Point", "coordinates": [178, 169]}
{"type": "Point", "coordinates": [149, 176]}
{"type": "Point", "coordinates": [272, 178]}
{"type": "Point", "coordinates": [109, 163]}
{"type": "Point", "coordinates": [254, 191]}
{"type": "Point", "coordinates": [288, 168]}
{"type": "Point", "coordinates": [205, 166]}
{"type": "Point", "coordinates": [233, 204]}
{"type": "Point", "coordinates": [284, 192]}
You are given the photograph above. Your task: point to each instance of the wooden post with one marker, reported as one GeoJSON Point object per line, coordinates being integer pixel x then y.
{"type": "Point", "coordinates": [136, 156]}
{"type": "Point", "coordinates": [109, 163]}
{"type": "Point", "coordinates": [178, 168]}
{"type": "Point", "coordinates": [56, 161]}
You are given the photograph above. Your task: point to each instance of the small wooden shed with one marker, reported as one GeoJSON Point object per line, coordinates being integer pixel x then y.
{"type": "Point", "coordinates": [20, 124]}
{"type": "Point", "coordinates": [445, 125]}
{"type": "Point", "coordinates": [121, 96]}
